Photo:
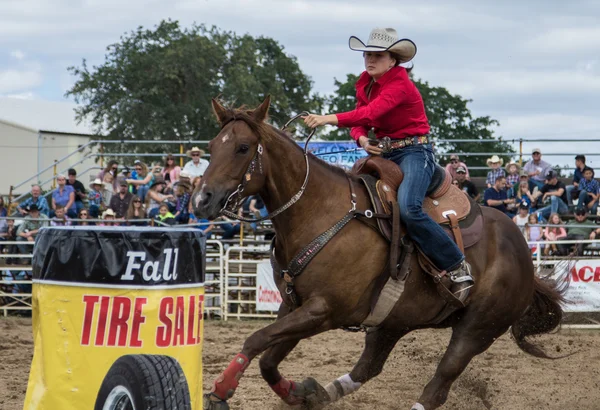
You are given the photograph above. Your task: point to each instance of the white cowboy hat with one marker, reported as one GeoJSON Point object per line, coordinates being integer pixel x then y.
{"type": "Point", "coordinates": [108, 212]}
{"type": "Point", "coordinates": [195, 149]}
{"type": "Point", "coordinates": [495, 158]}
{"type": "Point", "coordinates": [512, 163]}
{"type": "Point", "coordinates": [386, 39]}
{"type": "Point", "coordinates": [97, 181]}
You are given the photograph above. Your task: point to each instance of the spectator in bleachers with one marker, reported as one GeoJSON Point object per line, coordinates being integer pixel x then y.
{"type": "Point", "coordinates": [3, 213]}
{"type": "Point", "coordinates": [496, 197]}
{"type": "Point", "coordinates": [120, 202]}
{"type": "Point", "coordinates": [183, 191]}
{"type": "Point", "coordinates": [95, 198]}
{"type": "Point", "coordinates": [107, 188]}
{"type": "Point", "coordinates": [156, 197]}
{"type": "Point", "coordinates": [83, 214]}
{"type": "Point", "coordinates": [453, 165]}
{"type": "Point", "coordinates": [206, 228]}
{"type": "Point", "coordinates": [495, 163]}
{"type": "Point", "coordinates": [78, 187]}
{"type": "Point", "coordinates": [165, 216]}
{"type": "Point", "coordinates": [8, 233]}
{"type": "Point", "coordinates": [465, 185]}
{"type": "Point", "coordinates": [554, 233]}
{"type": "Point", "coordinates": [577, 230]}
{"type": "Point", "coordinates": [144, 178]}
{"type": "Point", "coordinates": [170, 171]}
{"type": "Point", "coordinates": [63, 195]}
{"type": "Point", "coordinates": [553, 196]}
{"type": "Point", "coordinates": [112, 168]}
{"type": "Point", "coordinates": [589, 189]}
{"type": "Point", "coordinates": [29, 228]}
{"type": "Point", "coordinates": [197, 166]}
{"type": "Point", "coordinates": [233, 227]}
{"type": "Point", "coordinates": [523, 194]}
{"type": "Point", "coordinates": [580, 167]}
{"type": "Point", "coordinates": [522, 217]}
{"type": "Point", "coordinates": [135, 212]}
{"type": "Point", "coordinates": [60, 218]}
{"type": "Point", "coordinates": [533, 233]}
{"type": "Point", "coordinates": [36, 199]}
{"type": "Point", "coordinates": [512, 178]}
{"type": "Point", "coordinates": [256, 207]}
{"type": "Point", "coordinates": [108, 218]}
{"type": "Point", "coordinates": [536, 168]}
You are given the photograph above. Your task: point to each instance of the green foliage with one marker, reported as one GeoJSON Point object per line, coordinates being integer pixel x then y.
{"type": "Point", "coordinates": [449, 118]}
{"type": "Point", "coordinates": [158, 84]}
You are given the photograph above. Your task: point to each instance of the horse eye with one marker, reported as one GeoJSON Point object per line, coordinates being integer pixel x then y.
{"type": "Point", "coordinates": [243, 148]}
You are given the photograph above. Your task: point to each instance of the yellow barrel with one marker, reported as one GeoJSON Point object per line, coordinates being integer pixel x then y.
{"type": "Point", "coordinates": [117, 319]}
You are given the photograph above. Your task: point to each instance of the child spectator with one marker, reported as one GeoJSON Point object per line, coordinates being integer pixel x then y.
{"type": "Point", "coordinates": [108, 218]}
{"type": "Point", "coordinates": [60, 219]}
{"type": "Point", "coordinates": [533, 233]}
{"type": "Point", "coordinates": [588, 191]}
{"type": "Point", "coordinates": [554, 233]}
{"type": "Point", "coordinates": [580, 167]}
{"type": "Point", "coordinates": [512, 178]}
{"type": "Point", "coordinates": [165, 216]}
{"type": "Point", "coordinates": [78, 187]}
{"type": "Point", "coordinates": [107, 188]}
{"type": "Point", "coordinates": [182, 193]}
{"type": "Point", "coordinates": [95, 198]}
{"type": "Point", "coordinates": [523, 195]}
{"type": "Point", "coordinates": [112, 168]}
{"type": "Point", "coordinates": [496, 172]}
{"type": "Point", "coordinates": [522, 217]}
{"type": "Point", "coordinates": [135, 212]}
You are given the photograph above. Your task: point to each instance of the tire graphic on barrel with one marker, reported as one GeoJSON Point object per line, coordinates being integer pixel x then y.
{"type": "Point", "coordinates": [144, 382]}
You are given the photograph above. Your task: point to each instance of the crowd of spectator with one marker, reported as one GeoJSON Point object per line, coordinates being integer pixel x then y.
{"type": "Point", "coordinates": [537, 200]}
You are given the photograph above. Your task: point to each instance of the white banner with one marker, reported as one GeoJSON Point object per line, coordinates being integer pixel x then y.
{"type": "Point", "coordinates": [584, 290]}
{"type": "Point", "coordinates": [267, 295]}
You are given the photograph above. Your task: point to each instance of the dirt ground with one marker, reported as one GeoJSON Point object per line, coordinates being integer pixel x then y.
{"type": "Point", "coordinates": [501, 378]}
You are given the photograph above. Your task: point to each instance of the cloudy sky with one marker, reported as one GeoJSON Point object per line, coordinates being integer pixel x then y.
{"type": "Point", "coordinates": [533, 65]}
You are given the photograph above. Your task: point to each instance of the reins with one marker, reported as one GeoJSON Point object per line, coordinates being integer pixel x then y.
{"type": "Point", "coordinates": [256, 161]}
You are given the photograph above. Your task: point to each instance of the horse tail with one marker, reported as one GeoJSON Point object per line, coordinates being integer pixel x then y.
{"type": "Point", "coordinates": [543, 315]}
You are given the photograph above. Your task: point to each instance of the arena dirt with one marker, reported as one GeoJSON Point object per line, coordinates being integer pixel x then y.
{"type": "Point", "coordinates": [501, 378]}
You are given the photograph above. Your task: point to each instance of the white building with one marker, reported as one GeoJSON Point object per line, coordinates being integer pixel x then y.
{"type": "Point", "coordinates": [33, 135]}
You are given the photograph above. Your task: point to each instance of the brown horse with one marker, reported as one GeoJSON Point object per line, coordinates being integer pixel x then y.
{"type": "Point", "coordinates": [336, 288]}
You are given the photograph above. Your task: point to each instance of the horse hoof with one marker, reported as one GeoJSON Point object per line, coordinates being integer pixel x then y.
{"type": "Point", "coordinates": [315, 396]}
{"type": "Point", "coordinates": [212, 402]}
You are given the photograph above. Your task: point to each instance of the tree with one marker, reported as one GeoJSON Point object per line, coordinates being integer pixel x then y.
{"type": "Point", "coordinates": [158, 84]}
{"type": "Point", "coordinates": [449, 118]}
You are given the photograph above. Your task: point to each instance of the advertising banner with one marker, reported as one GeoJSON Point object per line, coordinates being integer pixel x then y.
{"type": "Point", "coordinates": [330, 152]}
{"type": "Point", "coordinates": [117, 319]}
{"type": "Point", "coordinates": [584, 288]}
{"type": "Point", "coordinates": [268, 297]}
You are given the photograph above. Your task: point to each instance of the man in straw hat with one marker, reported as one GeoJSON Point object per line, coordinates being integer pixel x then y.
{"type": "Point", "coordinates": [389, 104]}
{"type": "Point", "coordinates": [197, 166]}
{"type": "Point", "coordinates": [536, 168]}
{"type": "Point", "coordinates": [495, 163]}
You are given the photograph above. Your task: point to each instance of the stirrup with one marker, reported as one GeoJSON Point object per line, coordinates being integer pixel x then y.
{"type": "Point", "coordinates": [461, 286]}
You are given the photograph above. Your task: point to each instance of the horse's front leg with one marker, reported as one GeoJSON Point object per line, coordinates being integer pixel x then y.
{"type": "Point", "coordinates": [308, 320]}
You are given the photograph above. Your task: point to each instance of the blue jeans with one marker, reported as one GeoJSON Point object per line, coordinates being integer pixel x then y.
{"type": "Point", "coordinates": [142, 190]}
{"type": "Point", "coordinates": [263, 212]}
{"type": "Point", "coordinates": [569, 189]}
{"type": "Point", "coordinates": [557, 205]}
{"type": "Point", "coordinates": [537, 183]}
{"type": "Point", "coordinates": [417, 163]}
{"type": "Point", "coordinates": [584, 199]}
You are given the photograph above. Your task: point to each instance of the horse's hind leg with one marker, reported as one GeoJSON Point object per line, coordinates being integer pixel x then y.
{"type": "Point", "coordinates": [466, 343]}
{"type": "Point", "coordinates": [378, 345]}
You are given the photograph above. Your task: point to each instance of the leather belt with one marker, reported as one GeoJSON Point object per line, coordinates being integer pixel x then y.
{"type": "Point", "coordinates": [388, 145]}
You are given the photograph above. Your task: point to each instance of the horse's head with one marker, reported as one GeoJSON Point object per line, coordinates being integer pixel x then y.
{"type": "Point", "coordinates": [236, 159]}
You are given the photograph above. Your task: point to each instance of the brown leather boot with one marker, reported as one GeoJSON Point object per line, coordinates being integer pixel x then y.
{"type": "Point", "coordinates": [462, 281]}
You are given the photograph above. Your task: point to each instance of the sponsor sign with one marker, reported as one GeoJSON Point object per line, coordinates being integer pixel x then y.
{"type": "Point", "coordinates": [268, 297]}
{"type": "Point", "coordinates": [330, 152]}
{"type": "Point", "coordinates": [117, 313]}
{"type": "Point", "coordinates": [584, 288]}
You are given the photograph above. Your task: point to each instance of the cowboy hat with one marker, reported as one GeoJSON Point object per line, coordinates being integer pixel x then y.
{"type": "Point", "coordinates": [157, 181]}
{"type": "Point", "coordinates": [495, 158]}
{"type": "Point", "coordinates": [386, 39]}
{"type": "Point", "coordinates": [507, 167]}
{"type": "Point", "coordinates": [108, 212]}
{"type": "Point", "coordinates": [96, 181]}
{"type": "Point", "coordinates": [195, 149]}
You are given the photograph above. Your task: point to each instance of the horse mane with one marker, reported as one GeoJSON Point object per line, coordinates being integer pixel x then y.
{"type": "Point", "coordinates": [267, 133]}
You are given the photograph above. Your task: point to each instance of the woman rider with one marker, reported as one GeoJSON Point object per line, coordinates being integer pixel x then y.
{"type": "Point", "coordinates": [389, 102]}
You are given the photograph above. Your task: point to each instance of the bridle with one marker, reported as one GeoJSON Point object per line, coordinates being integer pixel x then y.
{"type": "Point", "coordinates": [255, 164]}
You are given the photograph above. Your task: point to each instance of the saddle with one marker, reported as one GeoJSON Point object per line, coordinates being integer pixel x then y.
{"type": "Point", "coordinates": [457, 213]}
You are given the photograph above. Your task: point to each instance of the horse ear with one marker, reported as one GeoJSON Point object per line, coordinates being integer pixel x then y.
{"type": "Point", "coordinates": [260, 113]}
{"type": "Point", "coordinates": [219, 110]}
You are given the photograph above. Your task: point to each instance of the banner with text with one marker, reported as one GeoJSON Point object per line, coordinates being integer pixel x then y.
{"type": "Point", "coordinates": [267, 295]}
{"type": "Point", "coordinates": [343, 154]}
{"type": "Point", "coordinates": [584, 289]}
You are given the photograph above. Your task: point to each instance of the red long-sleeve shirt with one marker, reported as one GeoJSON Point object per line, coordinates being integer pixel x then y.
{"type": "Point", "coordinates": [395, 107]}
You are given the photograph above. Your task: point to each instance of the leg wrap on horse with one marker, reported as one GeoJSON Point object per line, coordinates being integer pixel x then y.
{"type": "Point", "coordinates": [417, 406]}
{"type": "Point", "coordinates": [341, 387]}
{"type": "Point", "coordinates": [227, 382]}
{"type": "Point", "coordinates": [283, 388]}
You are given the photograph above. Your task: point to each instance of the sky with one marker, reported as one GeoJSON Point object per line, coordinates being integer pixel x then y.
{"type": "Point", "coordinates": [532, 65]}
